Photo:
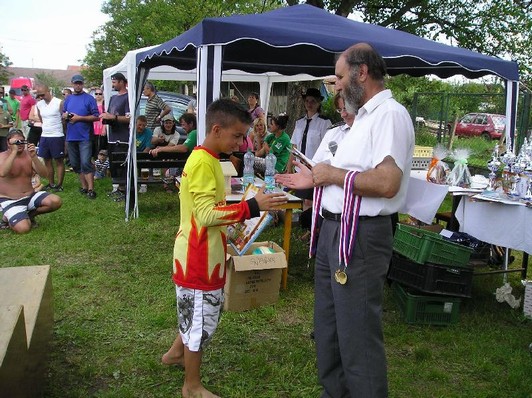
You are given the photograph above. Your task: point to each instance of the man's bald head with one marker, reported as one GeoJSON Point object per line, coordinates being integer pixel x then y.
{"type": "Point", "coordinates": [364, 53]}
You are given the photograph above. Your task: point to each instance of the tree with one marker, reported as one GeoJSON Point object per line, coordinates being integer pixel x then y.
{"type": "Point", "coordinates": [493, 27]}
{"type": "Point", "coordinates": [4, 63]}
{"type": "Point", "coordinates": [52, 82]}
{"type": "Point", "coordinates": [140, 23]}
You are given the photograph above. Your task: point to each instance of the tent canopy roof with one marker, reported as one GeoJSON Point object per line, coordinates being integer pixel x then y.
{"type": "Point", "coordinates": [306, 39]}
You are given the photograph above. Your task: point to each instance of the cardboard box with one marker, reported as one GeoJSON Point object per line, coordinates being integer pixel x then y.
{"type": "Point", "coordinates": [253, 280]}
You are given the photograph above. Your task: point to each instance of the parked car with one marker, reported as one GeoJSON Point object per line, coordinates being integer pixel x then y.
{"type": "Point", "coordinates": [488, 125]}
{"type": "Point", "coordinates": [178, 103]}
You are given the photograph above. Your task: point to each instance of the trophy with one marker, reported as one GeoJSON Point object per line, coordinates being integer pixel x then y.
{"type": "Point", "coordinates": [518, 167]}
{"type": "Point", "coordinates": [493, 167]}
{"type": "Point", "coordinates": [508, 159]}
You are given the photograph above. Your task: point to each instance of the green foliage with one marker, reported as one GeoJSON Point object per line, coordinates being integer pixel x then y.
{"type": "Point", "coordinates": [4, 63]}
{"type": "Point", "coordinates": [115, 314]}
{"type": "Point", "coordinates": [51, 81]}
{"type": "Point", "coordinates": [137, 23]}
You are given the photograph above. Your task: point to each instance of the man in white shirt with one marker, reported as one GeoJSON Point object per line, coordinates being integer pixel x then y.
{"type": "Point", "coordinates": [357, 192]}
{"type": "Point", "coordinates": [52, 141]}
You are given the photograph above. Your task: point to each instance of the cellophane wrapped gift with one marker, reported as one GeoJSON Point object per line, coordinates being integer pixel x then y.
{"type": "Point", "coordinates": [438, 170]}
{"type": "Point", "coordinates": [460, 175]}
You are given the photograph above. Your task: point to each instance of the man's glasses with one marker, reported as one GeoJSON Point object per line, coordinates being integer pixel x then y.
{"type": "Point", "coordinates": [341, 110]}
{"type": "Point", "coordinates": [98, 93]}
{"type": "Point", "coordinates": [39, 96]}
{"type": "Point", "coordinates": [24, 89]}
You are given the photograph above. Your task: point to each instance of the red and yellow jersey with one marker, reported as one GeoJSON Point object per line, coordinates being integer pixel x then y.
{"type": "Point", "coordinates": [200, 245]}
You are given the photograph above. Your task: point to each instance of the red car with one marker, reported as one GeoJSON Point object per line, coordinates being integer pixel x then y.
{"type": "Point", "coordinates": [487, 125]}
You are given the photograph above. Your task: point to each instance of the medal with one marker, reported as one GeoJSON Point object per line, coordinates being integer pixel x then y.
{"type": "Point", "coordinates": [340, 277]}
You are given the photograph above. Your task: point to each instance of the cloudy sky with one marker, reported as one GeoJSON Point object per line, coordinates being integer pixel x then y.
{"type": "Point", "coordinates": [49, 34]}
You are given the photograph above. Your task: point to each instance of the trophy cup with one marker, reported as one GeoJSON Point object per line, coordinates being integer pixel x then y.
{"type": "Point", "coordinates": [493, 166]}
{"type": "Point", "coordinates": [508, 159]}
{"type": "Point", "coordinates": [518, 167]}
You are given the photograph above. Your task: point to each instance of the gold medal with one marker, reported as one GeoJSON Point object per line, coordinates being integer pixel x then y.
{"type": "Point", "coordinates": [340, 277]}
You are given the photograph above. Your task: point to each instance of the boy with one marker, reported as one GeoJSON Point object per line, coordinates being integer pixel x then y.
{"type": "Point", "coordinates": [101, 164]}
{"type": "Point", "coordinates": [200, 248]}
{"type": "Point", "coordinates": [144, 135]}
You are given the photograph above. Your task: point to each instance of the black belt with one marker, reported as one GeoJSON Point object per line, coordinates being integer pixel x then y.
{"type": "Point", "coordinates": [326, 214]}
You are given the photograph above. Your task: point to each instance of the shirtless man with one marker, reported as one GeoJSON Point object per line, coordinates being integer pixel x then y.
{"type": "Point", "coordinates": [18, 202]}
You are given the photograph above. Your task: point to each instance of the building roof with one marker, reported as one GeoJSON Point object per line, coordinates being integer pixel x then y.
{"type": "Point", "coordinates": [63, 75]}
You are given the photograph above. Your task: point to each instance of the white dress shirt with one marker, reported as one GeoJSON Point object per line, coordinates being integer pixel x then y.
{"type": "Point", "coordinates": [317, 128]}
{"type": "Point", "coordinates": [382, 127]}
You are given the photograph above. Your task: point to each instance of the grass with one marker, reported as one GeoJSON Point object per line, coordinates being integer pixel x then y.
{"type": "Point", "coordinates": [115, 314]}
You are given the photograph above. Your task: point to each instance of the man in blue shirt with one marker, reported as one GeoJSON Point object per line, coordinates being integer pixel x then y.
{"type": "Point", "coordinates": [80, 111]}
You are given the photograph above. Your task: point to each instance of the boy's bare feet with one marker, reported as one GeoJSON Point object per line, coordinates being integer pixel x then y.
{"type": "Point", "coordinates": [170, 359]}
{"type": "Point", "coordinates": [200, 392]}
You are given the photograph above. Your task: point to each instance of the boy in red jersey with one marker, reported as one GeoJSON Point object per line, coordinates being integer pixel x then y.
{"type": "Point", "coordinates": [200, 245]}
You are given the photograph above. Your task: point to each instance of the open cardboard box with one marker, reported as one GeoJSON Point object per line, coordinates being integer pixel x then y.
{"type": "Point", "coordinates": [253, 280]}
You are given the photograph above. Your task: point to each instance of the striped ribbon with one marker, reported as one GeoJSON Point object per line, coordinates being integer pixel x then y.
{"type": "Point", "coordinates": [349, 222]}
{"type": "Point", "coordinates": [316, 221]}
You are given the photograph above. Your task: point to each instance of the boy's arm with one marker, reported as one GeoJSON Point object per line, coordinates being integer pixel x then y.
{"type": "Point", "coordinates": [209, 214]}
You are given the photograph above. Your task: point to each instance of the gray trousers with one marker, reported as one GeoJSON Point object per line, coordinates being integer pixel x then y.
{"type": "Point", "coordinates": [348, 318]}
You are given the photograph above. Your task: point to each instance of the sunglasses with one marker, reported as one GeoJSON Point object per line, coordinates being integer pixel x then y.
{"type": "Point", "coordinates": [98, 93]}
{"type": "Point", "coordinates": [24, 89]}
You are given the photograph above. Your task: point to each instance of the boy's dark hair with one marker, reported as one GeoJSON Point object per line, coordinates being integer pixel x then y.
{"type": "Point", "coordinates": [226, 112]}
{"type": "Point", "coordinates": [189, 118]}
{"type": "Point", "coordinates": [254, 94]}
{"type": "Point", "coordinates": [281, 120]}
{"type": "Point", "coordinates": [142, 118]}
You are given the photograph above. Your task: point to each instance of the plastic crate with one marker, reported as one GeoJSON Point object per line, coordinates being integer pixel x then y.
{"type": "Point", "coordinates": [432, 278]}
{"type": "Point", "coordinates": [423, 151]}
{"type": "Point", "coordinates": [423, 246]}
{"type": "Point", "coordinates": [420, 163]}
{"type": "Point", "coordinates": [426, 310]}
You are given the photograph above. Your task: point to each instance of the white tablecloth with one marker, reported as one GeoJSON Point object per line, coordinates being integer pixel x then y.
{"type": "Point", "coordinates": [423, 198]}
{"type": "Point", "coordinates": [496, 223]}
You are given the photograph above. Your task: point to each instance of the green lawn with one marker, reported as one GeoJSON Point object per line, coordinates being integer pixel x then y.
{"type": "Point", "coordinates": [115, 314]}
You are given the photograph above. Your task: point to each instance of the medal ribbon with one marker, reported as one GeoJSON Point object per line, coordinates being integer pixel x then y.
{"type": "Point", "coordinates": [349, 223]}
{"type": "Point", "coordinates": [316, 221]}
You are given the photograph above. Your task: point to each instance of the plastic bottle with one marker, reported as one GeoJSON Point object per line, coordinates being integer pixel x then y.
{"type": "Point", "coordinates": [249, 172]}
{"type": "Point", "coordinates": [269, 180]}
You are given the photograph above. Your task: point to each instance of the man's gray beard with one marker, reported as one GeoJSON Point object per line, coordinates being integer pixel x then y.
{"type": "Point", "coordinates": [353, 96]}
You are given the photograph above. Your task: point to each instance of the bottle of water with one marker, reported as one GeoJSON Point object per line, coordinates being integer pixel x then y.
{"type": "Point", "coordinates": [269, 180]}
{"type": "Point", "coordinates": [249, 172]}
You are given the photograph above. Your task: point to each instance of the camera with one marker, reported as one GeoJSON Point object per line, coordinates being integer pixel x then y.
{"type": "Point", "coordinates": [20, 142]}
{"type": "Point", "coordinates": [69, 116]}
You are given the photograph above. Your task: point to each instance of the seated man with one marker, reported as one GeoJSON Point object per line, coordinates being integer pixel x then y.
{"type": "Point", "coordinates": [18, 201]}
{"type": "Point", "coordinates": [188, 123]}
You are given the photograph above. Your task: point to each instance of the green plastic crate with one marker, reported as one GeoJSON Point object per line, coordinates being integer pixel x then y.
{"type": "Point", "coordinates": [425, 309]}
{"type": "Point", "coordinates": [424, 246]}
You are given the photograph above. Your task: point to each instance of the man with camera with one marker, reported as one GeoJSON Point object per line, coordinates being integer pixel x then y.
{"type": "Point", "coordinates": [80, 111]}
{"type": "Point", "coordinates": [18, 201]}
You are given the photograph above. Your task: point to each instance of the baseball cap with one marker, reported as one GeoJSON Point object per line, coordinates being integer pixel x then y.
{"type": "Point", "coordinates": [118, 76]}
{"type": "Point", "coordinates": [77, 78]}
{"type": "Point", "coordinates": [168, 116]}
{"type": "Point", "coordinates": [12, 91]}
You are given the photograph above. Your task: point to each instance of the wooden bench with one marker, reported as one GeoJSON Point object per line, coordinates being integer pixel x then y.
{"type": "Point", "coordinates": [163, 160]}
